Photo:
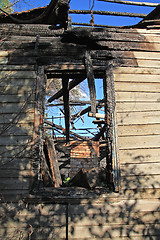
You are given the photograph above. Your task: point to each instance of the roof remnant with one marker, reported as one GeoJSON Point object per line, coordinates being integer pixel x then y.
{"type": "Point", "coordinates": [55, 13]}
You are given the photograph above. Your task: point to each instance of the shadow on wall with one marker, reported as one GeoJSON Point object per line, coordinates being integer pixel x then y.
{"type": "Point", "coordinates": [132, 214]}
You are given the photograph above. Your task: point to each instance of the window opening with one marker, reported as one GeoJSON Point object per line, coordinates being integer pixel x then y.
{"type": "Point", "coordinates": [82, 161]}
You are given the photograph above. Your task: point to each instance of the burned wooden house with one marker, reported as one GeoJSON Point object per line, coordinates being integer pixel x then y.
{"type": "Point", "coordinates": [75, 186]}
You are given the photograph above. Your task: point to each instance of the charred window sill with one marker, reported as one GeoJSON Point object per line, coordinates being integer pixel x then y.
{"type": "Point", "coordinates": [66, 195]}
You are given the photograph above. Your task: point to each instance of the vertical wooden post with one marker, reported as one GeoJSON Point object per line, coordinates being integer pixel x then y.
{"type": "Point", "coordinates": [65, 85]}
{"type": "Point", "coordinates": [91, 82]}
{"type": "Point", "coordinates": [38, 121]}
{"type": "Point", "coordinates": [108, 88]}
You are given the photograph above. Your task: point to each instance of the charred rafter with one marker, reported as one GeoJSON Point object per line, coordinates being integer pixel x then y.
{"type": "Point", "coordinates": [60, 93]}
{"type": "Point", "coordinates": [65, 84]}
{"type": "Point", "coordinates": [91, 82]}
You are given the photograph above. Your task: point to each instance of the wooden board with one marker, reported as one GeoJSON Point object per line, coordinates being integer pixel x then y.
{"type": "Point", "coordinates": [137, 96]}
{"type": "Point", "coordinates": [106, 232]}
{"type": "Point", "coordinates": [16, 90]}
{"type": "Point", "coordinates": [139, 155]}
{"type": "Point", "coordinates": [15, 140]}
{"type": "Point", "coordinates": [17, 129]}
{"type": "Point", "coordinates": [140, 182]}
{"type": "Point", "coordinates": [116, 206]}
{"type": "Point", "coordinates": [131, 118]}
{"type": "Point", "coordinates": [137, 106]}
{"type": "Point", "coordinates": [17, 67]}
{"type": "Point", "coordinates": [22, 118]}
{"type": "Point", "coordinates": [19, 82]}
{"type": "Point", "coordinates": [15, 163]}
{"type": "Point", "coordinates": [17, 74]}
{"type": "Point", "coordinates": [139, 130]}
{"type": "Point", "coordinates": [136, 70]}
{"type": "Point", "coordinates": [137, 86]}
{"type": "Point", "coordinates": [20, 174]}
{"type": "Point", "coordinates": [140, 169]}
{"type": "Point", "coordinates": [14, 183]}
{"type": "Point", "coordinates": [16, 107]}
{"type": "Point", "coordinates": [135, 77]}
{"type": "Point", "coordinates": [130, 142]}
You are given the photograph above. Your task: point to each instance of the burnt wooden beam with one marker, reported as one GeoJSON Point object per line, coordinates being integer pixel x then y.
{"type": "Point", "coordinates": [124, 14]}
{"type": "Point", "coordinates": [60, 93]}
{"type": "Point", "coordinates": [99, 134]}
{"type": "Point", "coordinates": [53, 162]}
{"type": "Point", "coordinates": [91, 82]}
{"type": "Point", "coordinates": [77, 136]}
{"type": "Point", "coordinates": [71, 103]}
{"type": "Point", "coordinates": [146, 4]}
{"type": "Point", "coordinates": [86, 110]}
{"type": "Point", "coordinates": [65, 85]}
{"type": "Point", "coordinates": [109, 96]}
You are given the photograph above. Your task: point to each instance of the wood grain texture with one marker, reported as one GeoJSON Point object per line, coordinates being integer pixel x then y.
{"type": "Point", "coordinates": [140, 155]}
{"type": "Point", "coordinates": [130, 142]}
{"type": "Point", "coordinates": [137, 97]}
{"type": "Point", "coordinates": [129, 118]}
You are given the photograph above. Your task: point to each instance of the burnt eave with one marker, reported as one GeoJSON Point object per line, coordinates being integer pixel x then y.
{"type": "Point", "coordinates": [55, 13]}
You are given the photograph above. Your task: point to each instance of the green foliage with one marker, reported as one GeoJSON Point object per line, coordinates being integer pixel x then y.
{"type": "Point", "coordinates": [6, 5]}
{"type": "Point", "coordinates": [67, 182]}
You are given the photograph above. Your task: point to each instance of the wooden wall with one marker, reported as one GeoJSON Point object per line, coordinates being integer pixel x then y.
{"type": "Point", "coordinates": [134, 212]}
{"type": "Point", "coordinates": [138, 114]}
{"type": "Point", "coordinates": [17, 85]}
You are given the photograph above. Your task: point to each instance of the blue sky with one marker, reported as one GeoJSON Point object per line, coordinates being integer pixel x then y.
{"type": "Point", "coordinates": [99, 5]}
{"type": "Point", "coordinates": [106, 20]}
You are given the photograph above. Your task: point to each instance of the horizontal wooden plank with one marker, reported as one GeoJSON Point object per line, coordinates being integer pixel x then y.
{"type": "Point", "coordinates": [89, 219]}
{"type": "Point", "coordinates": [143, 193]}
{"type": "Point", "coordinates": [139, 130]}
{"type": "Point", "coordinates": [140, 182]}
{"type": "Point", "coordinates": [14, 152]}
{"type": "Point", "coordinates": [3, 53]}
{"type": "Point", "coordinates": [29, 30]}
{"type": "Point", "coordinates": [116, 206]}
{"type": "Point", "coordinates": [26, 97]}
{"type": "Point", "coordinates": [12, 173]}
{"type": "Point", "coordinates": [39, 209]}
{"type": "Point", "coordinates": [17, 67]}
{"type": "Point", "coordinates": [133, 62]}
{"type": "Point", "coordinates": [38, 233]}
{"type": "Point", "coordinates": [137, 96]}
{"type": "Point", "coordinates": [17, 82]}
{"type": "Point", "coordinates": [148, 63]}
{"type": "Point", "coordinates": [131, 118]}
{"type": "Point", "coordinates": [137, 87]}
{"type": "Point", "coordinates": [3, 60]}
{"type": "Point", "coordinates": [139, 155]}
{"type": "Point", "coordinates": [130, 142]}
{"type": "Point", "coordinates": [147, 55]}
{"type": "Point", "coordinates": [17, 74]}
{"type": "Point", "coordinates": [140, 169]}
{"type": "Point", "coordinates": [135, 70]}
{"type": "Point", "coordinates": [102, 54]}
{"type": "Point", "coordinates": [14, 183]}
{"type": "Point", "coordinates": [14, 108]}
{"type": "Point", "coordinates": [127, 46]}
{"type": "Point", "coordinates": [137, 77]}
{"type": "Point", "coordinates": [16, 90]}
{"type": "Point", "coordinates": [137, 106]}
{"type": "Point", "coordinates": [17, 129]}
{"type": "Point", "coordinates": [22, 118]}
{"type": "Point", "coordinates": [15, 140]}
{"type": "Point", "coordinates": [108, 232]}
{"type": "Point", "coordinates": [15, 163]}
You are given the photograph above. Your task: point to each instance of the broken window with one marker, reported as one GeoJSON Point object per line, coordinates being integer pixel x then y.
{"type": "Point", "coordinates": [77, 151]}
